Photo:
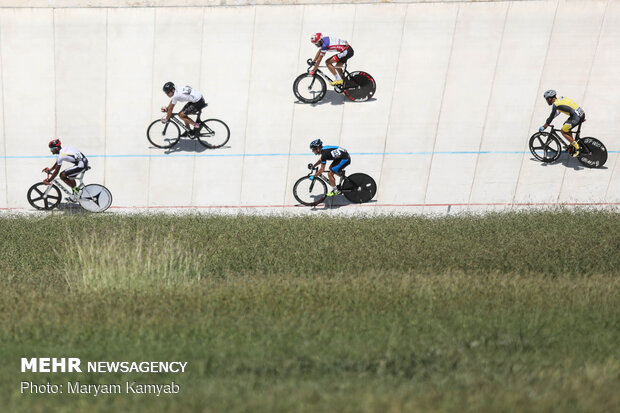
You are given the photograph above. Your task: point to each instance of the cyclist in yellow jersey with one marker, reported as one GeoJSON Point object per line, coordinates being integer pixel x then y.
{"type": "Point", "coordinates": [576, 115]}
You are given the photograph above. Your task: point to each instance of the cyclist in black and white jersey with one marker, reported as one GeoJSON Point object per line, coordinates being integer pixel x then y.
{"type": "Point", "coordinates": [66, 154]}
{"type": "Point", "coordinates": [194, 100]}
{"type": "Point", "coordinates": [340, 159]}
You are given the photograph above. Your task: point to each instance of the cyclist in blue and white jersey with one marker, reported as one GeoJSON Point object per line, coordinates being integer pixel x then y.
{"type": "Point", "coordinates": [340, 159]}
{"type": "Point", "coordinates": [331, 44]}
{"type": "Point", "coordinates": [66, 154]}
{"type": "Point", "coordinates": [194, 100]}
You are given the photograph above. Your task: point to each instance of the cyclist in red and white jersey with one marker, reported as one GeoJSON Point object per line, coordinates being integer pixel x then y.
{"type": "Point", "coordinates": [343, 50]}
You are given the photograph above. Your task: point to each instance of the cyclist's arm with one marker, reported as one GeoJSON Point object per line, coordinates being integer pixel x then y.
{"type": "Point", "coordinates": [321, 169]}
{"type": "Point", "coordinates": [53, 171]}
{"type": "Point", "coordinates": [169, 111]}
{"type": "Point", "coordinates": [554, 113]}
{"type": "Point", "coordinates": [317, 60]}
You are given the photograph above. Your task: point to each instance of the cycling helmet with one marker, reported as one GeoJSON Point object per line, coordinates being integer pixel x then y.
{"type": "Point", "coordinates": [316, 37]}
{"type": "Point", "coordinates": [317, 143]}
{"type": "Point", "coordinates": [168, 86]}
{"type": "Point", "coordinates": [55, 143]}
{"type": "Point", "coordinates": [549, 94]}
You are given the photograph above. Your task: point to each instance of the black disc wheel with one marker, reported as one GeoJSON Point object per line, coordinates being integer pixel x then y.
{"type": "Point", "coordinates": [45, 197]}
{"type": "Point", "coordinates": [359, 188]}
{"type": "Point", "coordinates": [593, 154]}
{"type": "Point", "coordinates": [309, 192]}
{"type": "Point", "coordinates": [213, 133]}
{"type": "Point", "coordinates": [95, 198]}
{"type": "Point", "coordinates": [360, 86]}
{"type": "Point", "coordinates": [308, 88]}
{"type": "Point", "coordinates": [163, 135]}
{"type": "Point", "coordinates": [545, 147]}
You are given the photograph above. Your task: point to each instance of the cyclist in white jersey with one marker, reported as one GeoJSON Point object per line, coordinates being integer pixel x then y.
{"type": "Point", "coordinates": [331, 44]}
{"type": "Point", "coordinates": [66, 154]}
{"type": "Point", "coordinates": [194, 100]}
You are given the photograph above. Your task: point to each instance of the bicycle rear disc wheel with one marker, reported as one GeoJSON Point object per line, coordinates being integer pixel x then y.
{"type": "Point", "coordinates": [44, 197]}
{"type": "Point", "coordinates": [545, 147]}
{"type": "Point", "coordinates": [213, 133]}
{"type": "Point", "coordinates": [95, 198]}
{"type": "Point", "coordinates": [362, 87]}
{"type": "Point", "coordinates": [308, 88]}
{"type": "Point", "coordinates": [163, 135]}
{"type": "Point", "coordinates": [359, 188]}
{"type": "Point", "coordinates": [593, 152]}
{"type": "Point", "coordinates": [309, 192]}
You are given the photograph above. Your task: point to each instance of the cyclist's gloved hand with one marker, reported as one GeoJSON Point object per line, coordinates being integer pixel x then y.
{"type": "Point", "coordinates": [541, 129]}
{"type": "Point", "coordinates": [46, 170]}
{"type": "Point", "coordinates": [164, 119]}
{"type": "Point", "coordinates": [46, 182]}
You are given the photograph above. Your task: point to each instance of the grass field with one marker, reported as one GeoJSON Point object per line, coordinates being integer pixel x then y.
{"type": "Point", "coordinates": [501, 313]}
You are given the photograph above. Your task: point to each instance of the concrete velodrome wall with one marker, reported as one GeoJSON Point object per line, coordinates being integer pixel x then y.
{"type": "Point", "coordinates": [459, 88]}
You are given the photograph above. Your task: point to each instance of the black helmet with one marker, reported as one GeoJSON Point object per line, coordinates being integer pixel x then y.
{"type": "Point", "coordinates": [317, 143]}
{"type": "Point", "coordinates": [54, 143]}
{"type": "Point", "coordinates": [168, 87]}
{"type": "Point", "coordinates": [549, 94]}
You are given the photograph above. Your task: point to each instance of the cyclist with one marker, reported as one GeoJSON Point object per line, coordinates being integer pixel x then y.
{"type": "Point", "coordinates": [575, 113]}
{"type": "Point", "coordinates": [194, 100]}
{"type": "Point", "coordinates": [66, 154]}
{"type": "Point", "coordinates": [340, 157]}
{"type": "Point", "coordinates": [331, 44]}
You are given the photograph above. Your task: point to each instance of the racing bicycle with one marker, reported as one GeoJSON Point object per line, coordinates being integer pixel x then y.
{"type": "Point", "coordinates": [547, 147]}
{"type": "Point", "coordinates": [357, 86]}
{"type": "Point", "coordinates": [91, 197]}
{"type": "Point", "coordinates": [310, 190]}
{"type": "Point", "coordinates": [213, 133]}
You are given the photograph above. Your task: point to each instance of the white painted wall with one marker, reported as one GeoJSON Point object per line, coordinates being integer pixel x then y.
{"type": "Point", "coordinates": [459, 92]}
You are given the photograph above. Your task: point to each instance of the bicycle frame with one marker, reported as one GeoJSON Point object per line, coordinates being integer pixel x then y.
{"type": "Point", "coordinates": [324, 178]}
{"type": "Point", "coordinates": [310, 63]}
{"type": "Point", "coordinates": [63, 187]}
{"type": "Point", "coordinates": [576, 134]}
{"type": "Point", "coordinates": [175, 118]}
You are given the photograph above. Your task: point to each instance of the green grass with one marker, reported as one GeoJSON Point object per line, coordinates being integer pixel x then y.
{"type": "Point", "coordinates": [507, 312]}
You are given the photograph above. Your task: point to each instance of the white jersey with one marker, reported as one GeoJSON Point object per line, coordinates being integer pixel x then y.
{"type": "Point", "coordinates": [186, 94]}
{"type": "Point", "coordinates": [69, 154]}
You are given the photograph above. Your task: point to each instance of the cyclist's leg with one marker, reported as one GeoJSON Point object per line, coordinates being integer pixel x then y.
{"type": "Point", "coordinates": [343, 57]}
{"type": "Point", "coordinates": [330, 65]}
{"type": "Point", "coordinates": [336, 168]}
{"type": "Point", "coordinates": [188, 109]}
{"type": "Point", "coordinates": [568, 125]}
{"type": "Point", "coordinates": [566, 132]}
{"type": "Point", "coordinates": [68, 177]}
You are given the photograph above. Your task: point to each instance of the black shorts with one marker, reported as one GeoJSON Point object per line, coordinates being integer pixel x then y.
{"type": "Point", "coordinates": [339, 164]}
{"type": "Point", "coordinates": [193, 107]}
{"type": "Point", "coordinates": [343, 56]}
{"type": "Point", "coordinates": [572, 122]}
{"type": "Point", "coordinates": [76, 169]}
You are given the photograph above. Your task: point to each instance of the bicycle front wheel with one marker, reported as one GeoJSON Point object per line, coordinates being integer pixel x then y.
{"type": "Point", "coordinates": [308, 88]}
{"type": "Point", "coordinates": [163, 135]}
{"type": "Point", "coordinates": [213, 133]}
{"type": "Point", "coordinates": [44, 197]}
{"type": "Point", "coordinates": [359, 188]}
{"type": "Point", "coordinates": [593, 153]}
{"type": "Point", "coordinates": [545, 147]}
{"type": "Point", "coordinates": [95, 198]}
{"type": "Point", "coordinates": [309, 192]}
